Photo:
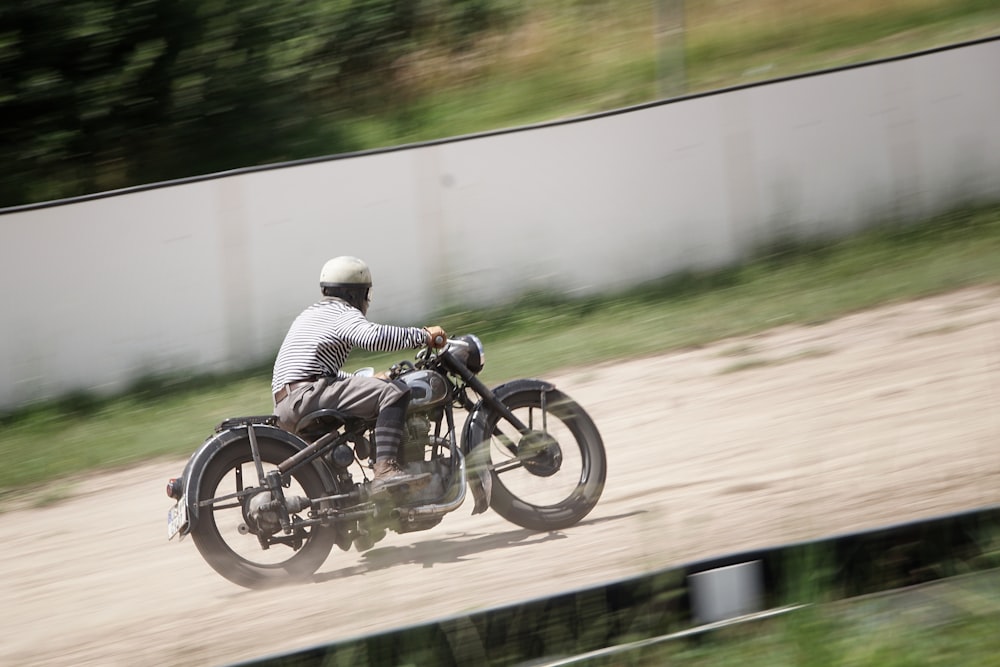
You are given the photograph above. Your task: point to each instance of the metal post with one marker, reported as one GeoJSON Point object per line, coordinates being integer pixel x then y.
{"type": "Point", "coordinates": [671, 77]}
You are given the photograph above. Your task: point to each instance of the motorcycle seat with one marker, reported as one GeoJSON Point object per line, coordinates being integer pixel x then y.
{"type": "Point", "coordinates": [321, 422]}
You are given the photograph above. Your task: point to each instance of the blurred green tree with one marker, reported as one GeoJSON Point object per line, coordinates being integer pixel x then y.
{"type": "Point", "coordinates": [103, 94]}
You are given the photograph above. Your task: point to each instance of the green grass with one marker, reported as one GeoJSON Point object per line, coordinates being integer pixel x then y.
{"type": "Point", "coordinates": [946, 622]}
{"type": "Point", "coordinates": [805, 286]}
{"type": "Point", "coordinates": [537, 336]}
{"type": "Point", "coordinates": [822, 637]}
{"type": "Point", "coordinates": [570, 58]}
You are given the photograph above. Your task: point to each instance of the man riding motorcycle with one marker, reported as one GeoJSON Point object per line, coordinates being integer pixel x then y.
{"type": "Point", "coordinates": [308, 371]}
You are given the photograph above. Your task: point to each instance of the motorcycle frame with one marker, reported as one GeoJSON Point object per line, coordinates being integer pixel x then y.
{"type": "Point", "coordinates": [312, 453]}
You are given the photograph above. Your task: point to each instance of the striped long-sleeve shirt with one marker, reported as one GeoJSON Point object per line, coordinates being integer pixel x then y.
{"type": "Point", "coordinates": [321, 337]}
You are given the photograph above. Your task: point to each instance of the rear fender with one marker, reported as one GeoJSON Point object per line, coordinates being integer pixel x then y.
{"type": "Point", "coordinates": [199, 461]}
{"type": "Point", "coordinates": [474, 433]}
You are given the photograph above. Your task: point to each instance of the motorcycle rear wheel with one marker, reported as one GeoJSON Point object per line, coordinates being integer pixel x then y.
{"type": "Point", "coordinates": [552, 477]}
{"type": "Point", "coordinates": [237, 555]}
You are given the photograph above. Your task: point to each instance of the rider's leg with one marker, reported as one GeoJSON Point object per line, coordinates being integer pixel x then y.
{"type": "Point", "coordinates": [388, 439]}
{"type": "Point", "coordinates": [368, 398]}
{"type": "Point", "coordinates": [389, 429]}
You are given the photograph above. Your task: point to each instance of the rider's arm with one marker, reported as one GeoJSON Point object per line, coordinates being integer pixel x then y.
{"type": "Point", "coordinates": [380, 337]}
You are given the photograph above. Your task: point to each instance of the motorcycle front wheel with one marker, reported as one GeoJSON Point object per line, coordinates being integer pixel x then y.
{"type": "Point", "coordinates": [552, 476]}
{"type": "Point", "coordinates": [221, 534]}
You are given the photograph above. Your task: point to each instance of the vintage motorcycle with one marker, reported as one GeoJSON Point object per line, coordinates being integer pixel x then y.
{"type": "Point", "coordinates": [265, 506]}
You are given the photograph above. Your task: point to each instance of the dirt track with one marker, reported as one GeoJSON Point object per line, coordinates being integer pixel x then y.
{"type": "Point", "coordinates": [876, 418]}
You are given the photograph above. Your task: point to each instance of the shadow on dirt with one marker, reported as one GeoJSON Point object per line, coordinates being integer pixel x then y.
{"type": "Point", "coordinates": [454, 548]}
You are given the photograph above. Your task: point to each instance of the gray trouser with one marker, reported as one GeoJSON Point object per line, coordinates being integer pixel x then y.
{"type": "Point", "coordinates": [358, 396]}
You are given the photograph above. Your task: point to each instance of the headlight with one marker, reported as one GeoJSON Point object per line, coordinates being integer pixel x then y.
{"type": "Point", "coordinates": [469, 350]}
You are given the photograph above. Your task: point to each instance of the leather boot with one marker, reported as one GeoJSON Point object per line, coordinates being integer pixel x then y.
{"type": "Point", "coordinates": [389, 475]}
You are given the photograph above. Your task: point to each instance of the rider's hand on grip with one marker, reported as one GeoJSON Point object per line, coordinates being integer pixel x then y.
{"type": "Point", "coordinates": [436, 337]}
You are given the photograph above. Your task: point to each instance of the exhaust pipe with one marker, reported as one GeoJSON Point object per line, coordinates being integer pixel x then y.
{"type": "Point", "coordinates": [454, 500]}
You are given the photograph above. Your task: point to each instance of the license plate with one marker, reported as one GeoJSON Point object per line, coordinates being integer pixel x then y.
{"type": "Point", "coordinates": [177, 519]}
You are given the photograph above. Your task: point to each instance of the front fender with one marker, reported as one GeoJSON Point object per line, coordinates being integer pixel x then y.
{"type": "Point", "coordinates": [477, 418]}
{"type": "Point", "coordinates": [196, 465]}
{"type": "Point", "coordinates": [474, 433]}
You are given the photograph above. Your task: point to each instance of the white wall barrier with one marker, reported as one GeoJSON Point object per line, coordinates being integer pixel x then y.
{"type": "Point", "coordinates": [208, 273]}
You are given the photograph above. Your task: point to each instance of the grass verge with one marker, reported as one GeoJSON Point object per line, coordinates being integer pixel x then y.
{"type": "Point", "coordinates": [566, 58]}
{"type": "Point", "coordinates": [538, 335]}
{"type": "Point", "coordinates": [827, 637]}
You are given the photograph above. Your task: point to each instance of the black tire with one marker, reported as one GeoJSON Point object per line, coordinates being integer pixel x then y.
{"type": "Point", "coordinates": [239, 557]}
{"type": "Point", "coordinates": [531, 489]}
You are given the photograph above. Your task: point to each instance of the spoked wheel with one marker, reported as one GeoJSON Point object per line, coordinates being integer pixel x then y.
{"type": "Point", "coordinates": [225, 531]}
{"type": "Point", "coordinates": [552, 476]}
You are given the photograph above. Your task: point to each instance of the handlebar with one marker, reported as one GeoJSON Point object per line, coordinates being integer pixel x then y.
{"type": "Point", "coordinates": [436, 341]}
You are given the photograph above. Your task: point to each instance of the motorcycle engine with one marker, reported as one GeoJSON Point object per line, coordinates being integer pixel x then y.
{"type": "Point", "coordinates": [418, 428]}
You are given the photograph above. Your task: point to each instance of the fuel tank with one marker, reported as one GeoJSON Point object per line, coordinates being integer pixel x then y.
{"type": "Point", "coordinates": [428, 389]}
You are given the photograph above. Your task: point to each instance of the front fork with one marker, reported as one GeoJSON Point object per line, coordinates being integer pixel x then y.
{"type": "Point", "coordinates": [487, 396]}
{"type": "Point", "coordinates": [490, 400]}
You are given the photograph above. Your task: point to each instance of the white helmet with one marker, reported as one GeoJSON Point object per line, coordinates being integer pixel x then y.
{"type": "Point", "coordinates": [347, 278]}
{"type": "Point", "coordinates": [345, 271]}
